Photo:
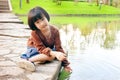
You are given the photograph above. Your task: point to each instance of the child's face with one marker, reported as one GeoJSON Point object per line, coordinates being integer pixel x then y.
{"type": "Point", "coordinates": [42, 24]}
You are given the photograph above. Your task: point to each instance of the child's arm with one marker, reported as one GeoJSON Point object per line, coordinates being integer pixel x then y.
{"type": "Point", "coordinates": [58, 46]}
{"type": "Point", "coordinates": [39, 44]}
{"type": "Point", "coordinates": [59, 55]}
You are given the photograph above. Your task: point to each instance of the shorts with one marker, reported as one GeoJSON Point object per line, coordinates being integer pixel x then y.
{"type": "Point", "coordinates": [31, 51]}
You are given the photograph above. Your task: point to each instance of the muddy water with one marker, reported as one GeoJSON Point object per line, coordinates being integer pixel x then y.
{"type": "Point", "coordinates": [94, 52]}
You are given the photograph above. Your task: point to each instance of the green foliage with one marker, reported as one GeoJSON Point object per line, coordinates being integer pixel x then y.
{"type": "Point", "coordinates": [66, 0]}
{"type": "Point", "coordinates": [64, 75]}
{"type": "Point", "coordinates": [66, 7]}
{"type": "Point", "coordinates": [77, 21]}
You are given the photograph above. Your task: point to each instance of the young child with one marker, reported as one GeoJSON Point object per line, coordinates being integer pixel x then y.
{"type": "Point", "coordinates": [44, 43]}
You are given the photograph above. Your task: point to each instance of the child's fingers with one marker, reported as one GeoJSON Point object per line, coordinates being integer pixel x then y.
{"type": "Point", "coordinates": [61, 57]}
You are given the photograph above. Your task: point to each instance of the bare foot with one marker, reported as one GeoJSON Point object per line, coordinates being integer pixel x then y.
{"type": "Point", "coordinates": [26, 65]}
{"type": "Point", "coordinates": [68, 69]}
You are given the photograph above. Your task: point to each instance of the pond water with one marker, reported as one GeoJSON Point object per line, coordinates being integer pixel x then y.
{"type": "Point", "coordinates": [93, 50]}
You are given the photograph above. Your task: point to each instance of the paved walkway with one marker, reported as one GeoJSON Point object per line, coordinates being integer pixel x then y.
{"type": "Point", "coordinates": [13, 37]}
{"type": "Point", "coordinates": [9, 18]}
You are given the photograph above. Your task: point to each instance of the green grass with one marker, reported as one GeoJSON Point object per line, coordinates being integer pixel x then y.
{"type": "Point", "coordinates": [64, 75]}
{"type": "Point", "coordinates": [67, 7]}
{"type": "Point", "coordinates": [78, 21]}
{"type": "Point", "coordinates": [81, 20]}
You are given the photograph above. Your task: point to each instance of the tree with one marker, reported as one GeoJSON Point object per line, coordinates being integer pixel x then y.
{"type": "Point", "coordinates": [20, 4]}
{"type": "Point", "coordinates": [106, 2]}
{"type": "Point", "coordinates": [57, 1]}
{"type": "Point", "coordinates": [111, 1]}
{"type": "Point", "coordinates": [97, 2]}
{"type": "Point", "coordinates": [27, 1]}
{"type": "Point", "coordinates": [76, 1]}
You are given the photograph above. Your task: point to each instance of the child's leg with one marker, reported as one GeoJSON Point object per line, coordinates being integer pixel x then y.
{"type": "Point", "coordinates": [24, 63]}
{"type": "Point", "coordinates": [41, 58]}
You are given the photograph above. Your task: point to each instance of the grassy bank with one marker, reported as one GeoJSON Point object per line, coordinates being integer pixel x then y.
{"type": "Point", "coordinates": [58, 21]}
{"type": "Point", "coordinates": [67, 7]}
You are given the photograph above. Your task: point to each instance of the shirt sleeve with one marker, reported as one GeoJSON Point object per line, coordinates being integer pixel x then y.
{"type": "Point", "coordinates": [37, 42]}
{"type": "Point", "coordinates": [58, 46]}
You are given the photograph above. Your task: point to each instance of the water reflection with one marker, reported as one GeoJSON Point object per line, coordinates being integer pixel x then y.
{"type": "Point", "coordinates": [93, 50]}
{"type": "Point", "coordinates": [100, 34]}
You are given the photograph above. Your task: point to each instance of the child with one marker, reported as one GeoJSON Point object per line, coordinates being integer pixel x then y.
{"type": "Point", "coordinates": [44, 43]}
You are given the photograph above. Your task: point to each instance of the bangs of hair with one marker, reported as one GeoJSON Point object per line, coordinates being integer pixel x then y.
{"type": "Point", "coordinates": [37, 16]}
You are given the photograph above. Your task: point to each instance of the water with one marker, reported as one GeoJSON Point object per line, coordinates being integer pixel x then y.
{"type": "Point", "coordinates": [93, 51]}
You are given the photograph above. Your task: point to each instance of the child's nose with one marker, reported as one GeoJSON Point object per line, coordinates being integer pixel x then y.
{"type": "Point", "coordinates": [44, 23]}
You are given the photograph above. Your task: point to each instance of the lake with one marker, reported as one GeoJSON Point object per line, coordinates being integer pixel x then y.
{"type": "Point", "coordinates": [93, 50]}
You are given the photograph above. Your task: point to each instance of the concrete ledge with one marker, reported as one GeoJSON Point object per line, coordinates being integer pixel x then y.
{"type": "Point", "coordinates": [13, 40]}
{"type": "Point", "coordinates": [9, 18]}
{"type": "Point", "coordinates": [48, 71]}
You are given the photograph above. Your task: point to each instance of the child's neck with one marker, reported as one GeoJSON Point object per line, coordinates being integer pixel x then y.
{"type": "Point", "coordinates": [46, 33]}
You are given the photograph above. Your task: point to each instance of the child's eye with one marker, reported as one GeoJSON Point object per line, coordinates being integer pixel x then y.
{"type": "Point", "coordinates": [37, 22]}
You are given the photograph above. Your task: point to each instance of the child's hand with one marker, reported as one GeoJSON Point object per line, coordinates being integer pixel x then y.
{"type": "Point", "coordinates": [61, 56]}
{"type": "Point", "coordinates": [68, 69]}
{"type": "Point", "coordinates": [46, 51]}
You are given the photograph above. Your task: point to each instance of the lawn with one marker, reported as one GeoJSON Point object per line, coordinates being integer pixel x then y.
{"type": "Point", "coordinates": [77, 21]}
{"type": "Point", "coordinates": [67, 7]}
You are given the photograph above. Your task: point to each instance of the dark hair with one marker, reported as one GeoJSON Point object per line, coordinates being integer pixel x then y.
{"type": "Point", "coordinates": [35, 14]}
